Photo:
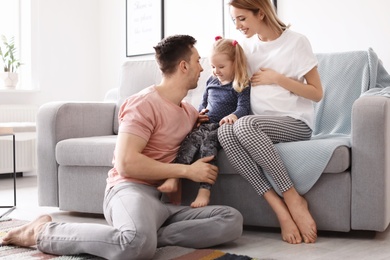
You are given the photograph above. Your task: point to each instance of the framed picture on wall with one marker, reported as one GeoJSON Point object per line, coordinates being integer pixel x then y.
{"type": "Point", "coordinates": [144, 26]}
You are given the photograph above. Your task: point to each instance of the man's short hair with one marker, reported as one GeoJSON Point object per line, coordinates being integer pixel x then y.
{"type": "Point", "coordinates": [171, 50]}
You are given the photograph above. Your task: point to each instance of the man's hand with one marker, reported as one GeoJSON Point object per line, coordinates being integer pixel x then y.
{"type": "Point", "coordinates": [202, 117]}
{"type": "Point", "coordinates": [202, 171]}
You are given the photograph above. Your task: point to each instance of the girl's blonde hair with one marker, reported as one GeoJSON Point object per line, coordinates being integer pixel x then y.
{"type": "Point", "coordinates": [264, 6]}
{"type": "Point", "coordinates": [236, 54]}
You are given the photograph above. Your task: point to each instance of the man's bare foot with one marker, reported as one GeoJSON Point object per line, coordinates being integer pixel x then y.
{"type": "Point", "coordinates": [27, 234]}
{"type": "Point", "coordinates": [170, 185]}
{"type": "Point", "coordinates": [202, 199]}
{"type": "Point", "coordinates": [299, 211]}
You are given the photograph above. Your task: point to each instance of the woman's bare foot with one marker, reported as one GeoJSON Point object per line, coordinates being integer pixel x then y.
{"type": "Point", "coordinates": [299, 211]}
{"type": "Point", "coordinates": [170, 185]}
{"type": "Point", "coordinates": [27, 234]}
{"type": "Point", "coordinates": [202, 199]}
{"type": "Point", "coordinates": [290, 231]}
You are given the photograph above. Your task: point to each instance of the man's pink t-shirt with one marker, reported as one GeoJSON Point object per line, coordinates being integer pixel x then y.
{"type": "Point", "coordinates": [157, 120]}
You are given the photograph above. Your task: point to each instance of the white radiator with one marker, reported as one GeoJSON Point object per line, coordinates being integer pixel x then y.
{"type": "Point", "coordinates": [21, 118]}
{"type": "Point", "coordinates": [18, 113]}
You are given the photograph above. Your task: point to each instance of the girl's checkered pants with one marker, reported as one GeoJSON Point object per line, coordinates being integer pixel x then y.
{"type": "Point", "coordinates": [249, 146]}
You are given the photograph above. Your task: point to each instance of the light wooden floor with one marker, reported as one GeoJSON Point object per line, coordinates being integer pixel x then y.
{"type": "Point", "coordinates": [257, 243]}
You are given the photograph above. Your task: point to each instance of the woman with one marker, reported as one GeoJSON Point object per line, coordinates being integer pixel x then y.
{"type": "Point", "coordinates": [285, 82]}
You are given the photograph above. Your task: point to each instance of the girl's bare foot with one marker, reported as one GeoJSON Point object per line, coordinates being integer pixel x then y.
{"type": "Point", "coordinates": [299, 210]}
{"type": "Point", "coordinates": [202, 199]}
{"type": "Point", "coordinates": [170, 185]}
{"type": "Point", "coordinates": [27, 234]}
{"type": "Point", "coordinates": [172, 189]}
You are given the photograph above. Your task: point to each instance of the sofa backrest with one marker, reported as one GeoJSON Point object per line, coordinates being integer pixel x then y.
{"type": "Point", "coordinates": [344, 76]}
{"type": "Point", "coordinates": [137, 75]}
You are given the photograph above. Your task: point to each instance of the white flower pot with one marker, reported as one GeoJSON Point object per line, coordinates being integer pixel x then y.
{"type": "Point", "coordinates": [10, 79]}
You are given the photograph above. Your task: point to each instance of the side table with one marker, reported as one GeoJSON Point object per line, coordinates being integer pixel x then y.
{"type": "Point", "coordinates": [8, 131]}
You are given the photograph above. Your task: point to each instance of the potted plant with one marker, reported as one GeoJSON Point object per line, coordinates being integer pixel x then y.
{"type": "Point", "coordinates": [10, 62]}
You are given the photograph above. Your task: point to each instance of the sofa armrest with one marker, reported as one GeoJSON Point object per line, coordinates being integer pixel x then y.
{"type": "Point", "coordinates": [370, 163]}
{"type": "Point", "coordinates": [57, 121]}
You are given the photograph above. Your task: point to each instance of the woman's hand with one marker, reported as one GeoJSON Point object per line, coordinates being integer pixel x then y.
{"type": "Point", "coordinates": [230, 119]}
{"type": "Point", "coordinates": [312, 89]}
{"type": "Point", "coordinates": [265, 77]}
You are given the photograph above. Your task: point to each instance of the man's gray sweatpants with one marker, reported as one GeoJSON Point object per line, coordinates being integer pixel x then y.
{"type": "Point", "coordinates": [139, 222]}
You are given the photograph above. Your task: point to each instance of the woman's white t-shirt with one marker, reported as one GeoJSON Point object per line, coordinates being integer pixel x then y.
{"type": "Point", "coordinates": [291, 55]}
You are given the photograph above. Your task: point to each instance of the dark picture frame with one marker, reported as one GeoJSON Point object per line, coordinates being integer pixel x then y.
{"type": "Point", "coordinates": [144, 26]}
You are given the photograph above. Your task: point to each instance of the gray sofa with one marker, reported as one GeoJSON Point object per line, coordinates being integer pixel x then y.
{"type": "Point", "coordinates": [75, 143]}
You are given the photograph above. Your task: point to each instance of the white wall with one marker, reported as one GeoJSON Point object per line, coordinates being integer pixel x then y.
{"type": "Point", "coordinates": [341, 25]}
{"type": "Point", "coordinates": [79, 46]}
{"type": "Point", "coordinates": [69, 49]}
{"type": "Point", "coordinates": [201, 19]}
{"type": "Point", "coordinates": [112, 38]}
{"type": "Point", "coordinates": [65, 52]}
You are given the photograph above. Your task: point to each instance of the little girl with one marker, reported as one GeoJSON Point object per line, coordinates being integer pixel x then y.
{"type": "Point", "coordinates": [225, 99]}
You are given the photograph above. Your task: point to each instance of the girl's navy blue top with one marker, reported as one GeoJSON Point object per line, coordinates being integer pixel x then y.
{"type": "Point", "coordinates": [222, 100]}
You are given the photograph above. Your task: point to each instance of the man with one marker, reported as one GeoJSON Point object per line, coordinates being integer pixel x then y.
{"type": "Point", "coordinates": [148, 140]}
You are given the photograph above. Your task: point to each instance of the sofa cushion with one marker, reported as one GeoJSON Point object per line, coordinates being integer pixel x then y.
{"type": "Point", "coordinates": [98, 151]}
{"type": "Point", "coordinates": [87, 151]}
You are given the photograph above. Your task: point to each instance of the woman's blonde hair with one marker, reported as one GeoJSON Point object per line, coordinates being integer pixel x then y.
{"type": "Point", "coordinates": [264, 6]}
{"type": "Point", "coordinates": [236, 54]}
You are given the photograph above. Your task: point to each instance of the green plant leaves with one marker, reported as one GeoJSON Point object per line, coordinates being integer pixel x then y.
{"type": "Point", "coordinates": [7, 53]}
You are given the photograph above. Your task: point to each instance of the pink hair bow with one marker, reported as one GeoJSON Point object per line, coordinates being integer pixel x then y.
{"type": "Point", "coordinates": [218, 38]}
